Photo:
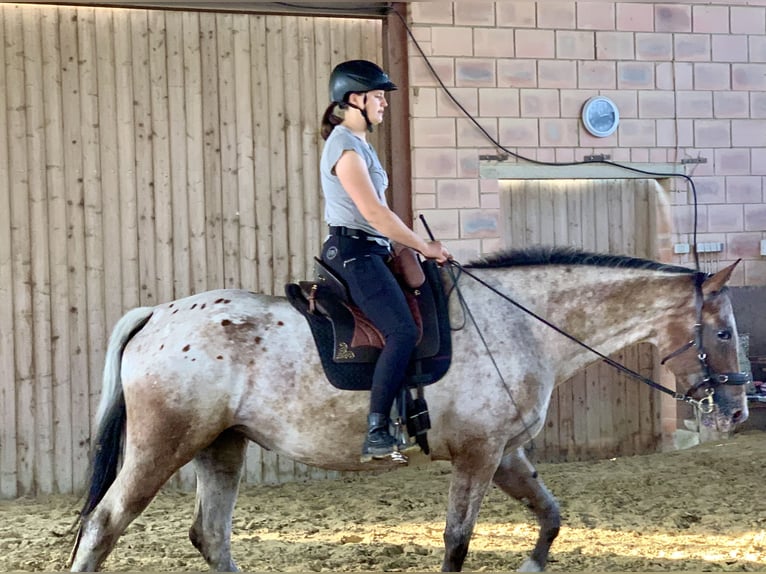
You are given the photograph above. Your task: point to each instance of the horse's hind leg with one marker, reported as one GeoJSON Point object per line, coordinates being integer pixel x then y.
{"type": "Point", "coordinates": [219, 468]}
{"type": "Point", "coordinates": [518, 478]}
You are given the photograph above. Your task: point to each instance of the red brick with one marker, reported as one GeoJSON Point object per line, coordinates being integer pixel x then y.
{"type": "Point", "coordinates": [654, 46]}
{"type": "Point", "coordinates": [467, 97]}
{"type": "Point", "coordinates": [748, 133]}
{"type": "Point", "coordinates": [636, 133]}
{"type": "Point", "coordinates": [730, 48]}
{"type": "Point", "coordinates": [744, 189]}
{"type": "Point", "coordinates": [539, 103]}
{"type": "Point", "coordinates": [758, 161]}
{"type": "Point", "coordinates": [515, 14]}
{"type": "Point", "coordinates": [639, 155]}
{"type": "Point", "coordinates": [573, 100]}
{"type": "Point", "coordinates": [433, 132]}
{"type": "Point", "coordinates": [493, 42]}
{"type": "Point", "coordinates": [420, 75]}
{"type": "Point", "coordinates": [683, 218]}
{"type": "Point", "coordinates": [516, 73]}
{"type": "Point", "coordinates": [635, 75]}
{"type": "Point", "coordinates": [732, 161]}
{"type": "Point", "coordinates": [479, 223]}
{"type": "Point", "coordinates": [451, 41]}
{"type": "Point", "coordinates": [755, 217]}
{"type": "Point", "coordinates": [757, 105]}
{"type": "Point", "coordinates": [755, 272]}
{"type": "Point", "coordinates": [635, 17]}
{"type": "Point", "coordinates": [423, 102]}
{"type": "Point", "coordinates": [690, 104]}
{"type": "Point", "coordinates": [474, 13]}
{"type": "Point", "coordinates": [757, 48]}
{"type": "Point", "coordinates": [748, 77]}
{"type": "Point", "coordinates": [710, 189]}
{"type": "Point", "coordinates": [559, 132]}
{"type": "Point", "coordinates": [431, 12]}
{"type": "Point", "coordinates": [731, 104]}
{"type": "Point", "coordinates": [692, 47]}
{"type": "Point", "coordinates": [595, 16]}
{"type": "Point", "coordinates": [499, 102]}
{"type": "Point", "coordinates": [457, 193]}
{"type": "Point", "coordinates": [558, 15]}
{"type": "Point", "coordinates": [712, 76]}
{"type": "Point", "coordinates": [625, 100]}
{"type": "Point", "coordinates": [748, 20]}
{"type": "Point", "coordinates": [672, 18]}
{"type": "Point", "coordinates": [614, 46]}
{"type": "Point", "coordinates": [597, 75]}
{"type": "Point", "coordinates": [474, 72]}
{"type": "Point", "coordinates": [712, 133]}
{"type": "Point", "coordinates": [468, 135]}
{"type": "Point", "coordinates": [724, 218]}
{"type": "Point", "coordinates": [557, 73]}
{"type": "Point", "coordinates": [518, 132]}
{"type": "Point", "coordinates": [431, 162]}
{"type": "Point", "coordinates": [444, 223]}
{"type": "Point", "coordinates": [575, 45]}
{"type": "Point", "coordinates": [656, 104]}
{"type": "Point", "coordinates": [468, 163]}
{"type": "Point", "coordinates": [674, 76]}
{"type": "Point", "coordinates": [710, 19]}
{"type": "Point", "coordinates": [535, 44]}
{"type": "Point", "coordinates": [740, 245]}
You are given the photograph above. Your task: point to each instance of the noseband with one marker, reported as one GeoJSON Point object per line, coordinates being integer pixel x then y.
{"type": "Point", "coordinates": [710, 379]}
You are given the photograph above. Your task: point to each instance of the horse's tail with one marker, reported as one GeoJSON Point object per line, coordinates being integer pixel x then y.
{"type": "Point", "coordinates": [111, 414]}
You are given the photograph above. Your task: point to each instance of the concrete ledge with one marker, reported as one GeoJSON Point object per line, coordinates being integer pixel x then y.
{"type": "Point", "coordinates": [595, 170]}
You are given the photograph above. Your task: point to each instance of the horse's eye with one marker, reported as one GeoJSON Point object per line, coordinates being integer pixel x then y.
{"type": "Point", "coordinates": [724, 335]}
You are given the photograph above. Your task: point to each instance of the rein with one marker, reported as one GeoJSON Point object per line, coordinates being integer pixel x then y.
{"type": "Point", "coordinates": [709, 379]}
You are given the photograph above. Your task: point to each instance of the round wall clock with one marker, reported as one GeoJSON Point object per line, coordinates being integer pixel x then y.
{"type": "Point", "coordinates": [600, 116]}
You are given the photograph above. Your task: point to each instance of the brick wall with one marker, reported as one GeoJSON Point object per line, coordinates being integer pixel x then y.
{"type": "Point", "coordinates": [689, 80]}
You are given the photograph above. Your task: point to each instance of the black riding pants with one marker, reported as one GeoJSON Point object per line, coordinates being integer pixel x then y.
{"type": "Point", "coordinates": [374, 289]}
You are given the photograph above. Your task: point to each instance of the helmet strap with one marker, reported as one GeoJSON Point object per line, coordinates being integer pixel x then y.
{"type": "Point", "coordinates": [363, 111]}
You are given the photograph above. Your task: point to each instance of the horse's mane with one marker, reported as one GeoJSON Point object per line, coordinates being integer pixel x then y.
{"type": "Point", "coordinates": [542, 255]}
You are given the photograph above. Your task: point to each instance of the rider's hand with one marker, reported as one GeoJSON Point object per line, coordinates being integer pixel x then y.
{"type": "Point", "coordinates": [435, 250]}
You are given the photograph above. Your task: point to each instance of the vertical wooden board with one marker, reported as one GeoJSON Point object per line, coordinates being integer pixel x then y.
{"type": "Point", "coordinates": [648, 413]}
{"type": "Point", "coordinates": [94, 181]}
{"type": "Point", "coordinates": [106, 71]}
{"type": "Point", "coordinates": [588, 214]}
{"type": "Point", "coordinates": [547, 220]}
{"type": "Point", "coordinates": [594, 402]}
{"type": "Point", "coordinates": [59, 294]}
{"type": "Point", "coordinates": [632, 406]}
{"type": "Point", "coordinates": [517, 209]}
{"type": "Point", "coordinates": [338, 49]}
{"type": "Point", "coordinates": [645, 243]}
{"type": "Point", "coordinates": [129, 288]}
{"type": "Point", "coordinates": [560, 215]}
{"type": "Point", "coordinates": [21, 247]}
{"type": "Point", "coordinates": [579, 385]}
{"type": "Point", "coordinates": [293, 154]}
{"type": "Point", "coordinates": [606, 390]}
{"type": "Point", "coordinates": [324, 62]}
{"type": "Point", "coordinates": [229, 188]}
{"type": "Point", "coordinates": [160, 152]}
{"type": "Point", "coordinates": [574, 214]}
{"type": "Point", "coordinates": [310, 152]}
{"type": "Point", "coordinates": [628, 194]}
{"type": "Point", "coordinates": [195, 183]}
{"type": "Point", "coordinates": [263, 165]}
{"type": "Point", "coordinates": [277, 119]}
{"type": "Point", "coordinates": [532, 214]}
{"type": "Point", "coordinates": [353, 40]}
{"type": "Point", "coordinates": [146, 239]}
{"type": "Point", "coordinates": [552, 430]}
{"type": "Point", "coordinates": [77, 306]}
{"type": "Point", "coordinates": [612, 191]}
{"type": "Point", "coordinates": [211, 153]}
{"type": "Point", "coordinates": [8, 468]}
{"type": "Point", "coordinates": [245, 166]}
{"type": "Point", "coordinates": [601, 217]}
{"type": "Point", "coordinates": [566, 416]}
{"type": "Point", "coordinates": [174, 38]}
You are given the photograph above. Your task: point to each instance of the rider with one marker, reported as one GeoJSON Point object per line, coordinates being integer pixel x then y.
{"type": "Point", "coordinates": [362, 227]}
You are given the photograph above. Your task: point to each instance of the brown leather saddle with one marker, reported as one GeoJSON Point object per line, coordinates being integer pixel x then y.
{"type": "Point", "coordinates": [349, 344]}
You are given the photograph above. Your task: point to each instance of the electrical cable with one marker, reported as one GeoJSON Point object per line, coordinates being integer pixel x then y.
{"type": "Point", "coordinates": [549, 163]}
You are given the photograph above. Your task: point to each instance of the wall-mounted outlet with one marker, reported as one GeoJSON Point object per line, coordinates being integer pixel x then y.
{"type": "Point", "coordinates": [710, 247]}
{"type": "Point", "coordinates": [681, 248]}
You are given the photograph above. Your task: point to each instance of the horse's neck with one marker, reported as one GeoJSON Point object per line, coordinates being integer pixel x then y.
{"type": "Point", "coordinates": [606, 308]}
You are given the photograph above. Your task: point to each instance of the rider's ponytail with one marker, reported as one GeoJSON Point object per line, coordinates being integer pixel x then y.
{"type": "Point", "coordinates": [329, 120]}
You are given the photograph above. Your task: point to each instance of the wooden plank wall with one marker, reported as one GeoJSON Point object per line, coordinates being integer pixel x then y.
{"type": "Point", "coordinates": [145, 156]}
{"type": "Point", "coordinates": [599, 412]}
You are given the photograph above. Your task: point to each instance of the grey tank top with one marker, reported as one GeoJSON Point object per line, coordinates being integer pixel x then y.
{"type": "Point", "coordinates": [340, 209]}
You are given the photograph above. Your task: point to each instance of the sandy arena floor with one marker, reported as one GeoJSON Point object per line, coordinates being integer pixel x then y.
{"type": "Point", "coordinates": [701, 509]}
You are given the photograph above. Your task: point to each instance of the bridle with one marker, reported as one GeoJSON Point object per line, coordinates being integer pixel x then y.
{"type": "Point", "coordinates": [710, 379]}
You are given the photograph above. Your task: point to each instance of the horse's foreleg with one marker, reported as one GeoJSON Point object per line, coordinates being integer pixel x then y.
{"type": "Point", "coordinates": [467, 489]}
{"type": "Point", "coordinates": [219, 468]}
{"type": "Point", "coordinates": [518, 478]}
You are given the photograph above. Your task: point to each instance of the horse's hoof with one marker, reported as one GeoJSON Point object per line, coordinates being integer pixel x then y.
{"type": "Point", "coordinates": [530, 566]}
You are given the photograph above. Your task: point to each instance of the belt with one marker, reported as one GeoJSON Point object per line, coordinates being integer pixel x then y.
{"type": "Point", "coordinates": [355, 233]}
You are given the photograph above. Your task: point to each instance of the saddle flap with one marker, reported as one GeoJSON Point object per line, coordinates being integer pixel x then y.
{"type": "Point", "coordinates": [325, 277]}
{"type": "Point", "coordinates": [406, 265]}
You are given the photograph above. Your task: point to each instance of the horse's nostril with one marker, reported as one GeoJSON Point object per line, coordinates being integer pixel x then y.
{"type": "Point", "coordinates": [737, 417]}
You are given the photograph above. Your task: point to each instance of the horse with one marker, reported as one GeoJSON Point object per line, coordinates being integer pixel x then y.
{"type": "Point", "coordinates": [197, 378]}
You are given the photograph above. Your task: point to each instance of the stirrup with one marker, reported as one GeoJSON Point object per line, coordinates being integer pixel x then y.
{"type": "Point", "coordinates": [395, 457]}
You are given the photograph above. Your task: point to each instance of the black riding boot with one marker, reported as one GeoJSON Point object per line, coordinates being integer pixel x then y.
{"type": "Point", "coordinates": [379, 443]}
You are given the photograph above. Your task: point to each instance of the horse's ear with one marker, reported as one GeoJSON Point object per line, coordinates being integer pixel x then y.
{"type": "Point", "coordinates": [717, 282]}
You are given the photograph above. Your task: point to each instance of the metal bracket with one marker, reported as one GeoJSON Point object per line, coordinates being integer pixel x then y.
{"type": "Point", "coordinates": [694, 160]}
{"type": "Point", "coordinates": [597, 157]}
{"type": "Point", "coordinates": [499, 157]}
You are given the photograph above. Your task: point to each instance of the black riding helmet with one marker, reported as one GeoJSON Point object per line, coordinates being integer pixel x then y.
{"type": "Point", "coordinates": [357, 76]}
